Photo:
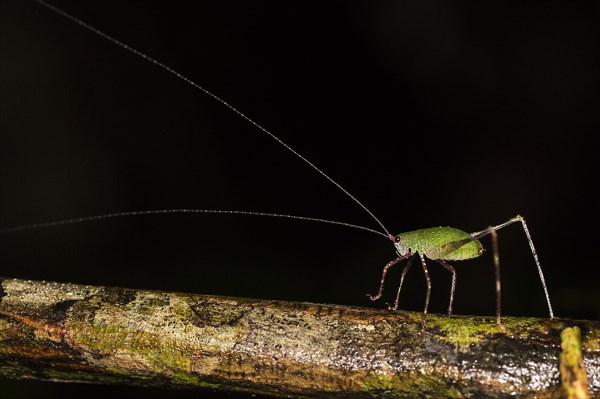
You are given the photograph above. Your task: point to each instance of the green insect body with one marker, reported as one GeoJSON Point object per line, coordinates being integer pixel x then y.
{"type": "Point", "coordinates": [445, 243]}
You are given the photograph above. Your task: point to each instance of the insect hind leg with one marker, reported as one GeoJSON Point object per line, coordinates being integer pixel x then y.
{"type": "Point", "coordinates": [493, 229]}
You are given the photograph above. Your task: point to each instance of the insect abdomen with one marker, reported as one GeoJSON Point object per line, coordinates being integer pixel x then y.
{"type": "Point", "coordinates": [441, 243]}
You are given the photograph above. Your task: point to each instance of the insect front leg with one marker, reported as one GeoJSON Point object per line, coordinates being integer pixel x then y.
{"type": "Point", "coordinates": [404, 271]}
{"type": "Point", "coordinates": [385, 270]}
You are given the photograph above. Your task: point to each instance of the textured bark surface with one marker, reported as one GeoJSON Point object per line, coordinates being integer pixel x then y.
{"type": "Point", "coordinates": [68, 332]}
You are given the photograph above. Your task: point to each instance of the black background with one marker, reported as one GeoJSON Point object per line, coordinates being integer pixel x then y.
{"type": "Point", "coordinates": [430, 113]}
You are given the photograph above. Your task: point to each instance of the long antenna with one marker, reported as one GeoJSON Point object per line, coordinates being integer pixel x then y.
{"type": "Point", "coordinates": [172, 211]}
{"type": "Point", "coordinates": [215, 97]}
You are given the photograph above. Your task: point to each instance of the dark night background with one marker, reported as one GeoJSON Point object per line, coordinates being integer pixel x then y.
{"type": "Point", "coordinates": [430, 113]}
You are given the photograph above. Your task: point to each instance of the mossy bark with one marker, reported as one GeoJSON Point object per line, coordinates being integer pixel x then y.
{"type": "Point", "coordinates": [68, 332]}
{"type": "Point", "coordinates": [572, 367]}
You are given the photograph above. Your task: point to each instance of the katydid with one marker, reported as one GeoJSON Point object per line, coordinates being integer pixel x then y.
{"type": "Point", "coordinates": [441, 244]}
{"type": "Point", "coordinates": [446, 243]}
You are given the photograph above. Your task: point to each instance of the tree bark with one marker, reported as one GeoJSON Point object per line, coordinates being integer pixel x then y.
{"type": "Point", "coordinates": [68, 332]}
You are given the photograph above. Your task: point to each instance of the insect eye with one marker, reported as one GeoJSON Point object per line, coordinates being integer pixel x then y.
{"type": "Point", "coordinates": [396, 239]}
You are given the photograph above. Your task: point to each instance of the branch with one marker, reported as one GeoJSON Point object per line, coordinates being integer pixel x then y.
{"type": "Point", "coordinates": [67, 332]}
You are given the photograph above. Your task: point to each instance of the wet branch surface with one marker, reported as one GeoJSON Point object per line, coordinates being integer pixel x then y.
{"type": "Point", "coordinates": [67, 332]}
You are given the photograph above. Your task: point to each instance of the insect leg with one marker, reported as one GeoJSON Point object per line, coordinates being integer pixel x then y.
{"type": "Point", "coordinates": [385, 270]}
{"type": "Point", "coordinates": [494, 235]}
{"type": "Point", "coordinates": [519, 218]}
{"type": "Point", "coordinates": [404, 271]}
{"type": "Point", "coordinates": [452, 270]}
{"type": "Point", "coordinates": [428, 280]}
